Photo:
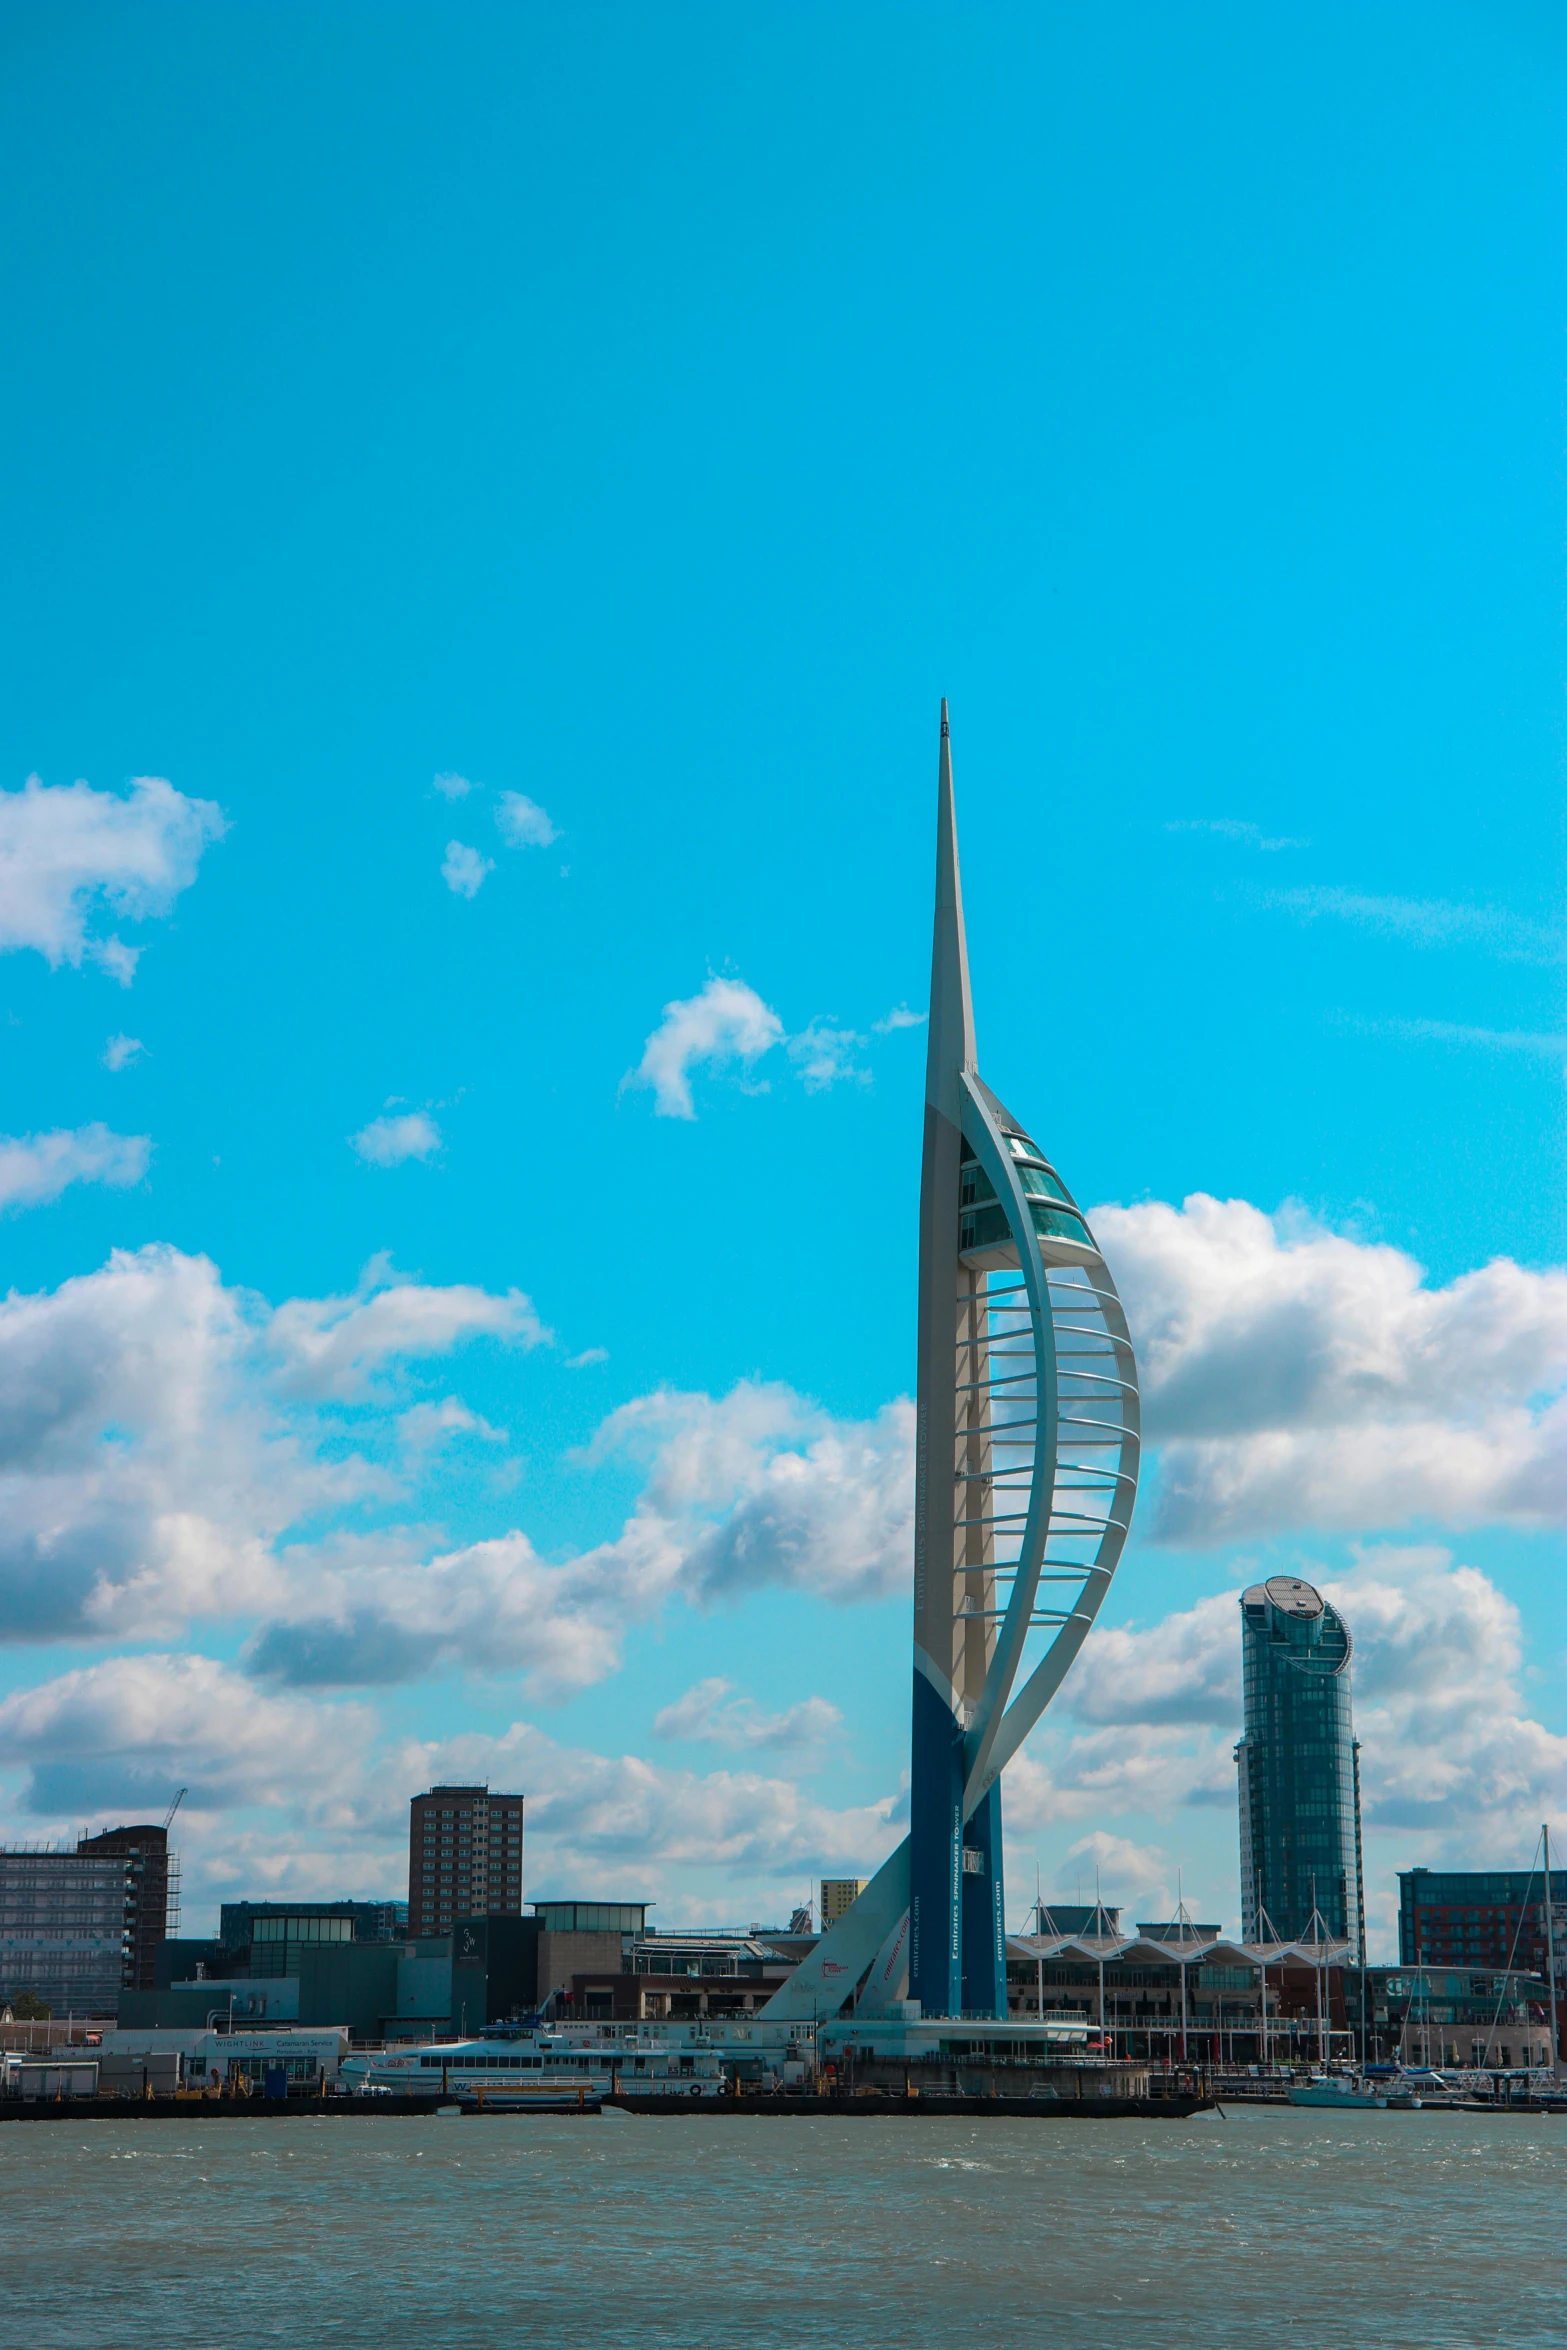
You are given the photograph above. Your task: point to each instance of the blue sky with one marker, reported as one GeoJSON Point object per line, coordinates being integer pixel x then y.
{"type": "Point", "coordinates": [650, 417]}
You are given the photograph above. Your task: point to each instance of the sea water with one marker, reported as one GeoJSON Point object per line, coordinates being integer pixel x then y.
{"type": "Point", "coordinates": [1339, 2230]}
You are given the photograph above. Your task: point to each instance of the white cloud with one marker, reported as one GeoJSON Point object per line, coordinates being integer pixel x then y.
{"type": "Point", "coordinates": [67, 852]}
{"type": "Point", "coordinates": [35, 1168]}
{"type": "Point", "coordinates": [728, 1022]}
{"type": "Point", "coordinates": [424, 1426]}
{"type": "Point", "coordinates": [1187, 1668]}
{"type": "Point", "coordinates": [757, 1488]}
{"type": "Point", "coordinates": [129, 1730]}
{"type": "Point", "coordinates": [389, 1141]}
{"type": "Point", "coordinates": [160, 1435]}
{"type": "Point", "coordinates": [761, 1487]}
{"type": "Point", "coordinates": [1137, 1878]}
{"type": "Point", "coordinates": [588, 1357]}
{"type": "Point", "coordinates": [453, 787]}
{"type": "Point", "coordinates": [600, 1822]}
{"type": "Point", "coordinates": [824, 1055]}
{"type": "Point", "coordinates": [1235, 828]}
{"type": "Point", "coordinates": [711, 1714]}
{"type": "Point", "coordinates": [522, 823]}
{"type": "Point", "coordinates": [1426, 922]}
{"type": "Point", "coordinates": [333, 1346]}
{"type": "Point", "coordinates": [1297, 1378]}
{"type": "Point", "coordinates": [1448, 1744]}
{"type": "Point", "coordinates": [463, 869]}
{"type": "Point", "coordinates": [120, 1051]}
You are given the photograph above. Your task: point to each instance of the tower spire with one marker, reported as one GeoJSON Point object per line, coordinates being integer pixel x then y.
{"type": "Point", "coordinates": [950, 1049]}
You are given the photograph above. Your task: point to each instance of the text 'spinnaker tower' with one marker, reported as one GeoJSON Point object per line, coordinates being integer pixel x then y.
{"type": "Point", "coordinates": [1026, 1458]}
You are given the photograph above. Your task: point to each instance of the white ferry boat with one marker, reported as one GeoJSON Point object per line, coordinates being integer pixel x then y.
{"type": "Point", "coordinates": [535, 2071]}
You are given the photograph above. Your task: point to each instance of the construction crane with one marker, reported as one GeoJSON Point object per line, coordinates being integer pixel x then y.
{"type": "Point", "coordinates": [168, 1816]}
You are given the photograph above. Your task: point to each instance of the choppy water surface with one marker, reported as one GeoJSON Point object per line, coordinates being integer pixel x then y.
{"type": "Point", "coordinates": [1342, 2230]}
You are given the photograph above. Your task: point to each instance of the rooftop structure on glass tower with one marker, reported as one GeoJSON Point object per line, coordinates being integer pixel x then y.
{"type": "Point", "coordinates": [1025, 1473]}
{"type": "Point", "coordinates": [1299, 1769]}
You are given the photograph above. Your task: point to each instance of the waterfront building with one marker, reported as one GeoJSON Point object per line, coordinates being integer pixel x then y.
{"type": "Point", "coordinates": [1025, 1472]}
{"type": "Point", "coordinates": [1298, 1767]}
{"type": "Point", "coordinates": [265, 1937]}
{"type": "Point", "coordinates": [64, 1926]}
{"type": "Point", "coordinates": [213, 2059]}
{"type": "Point", "coordinates": [1480, 1917]}
{"type": "Point", "coordinates": [837, 1894]}
{"type": "Point", "coordinates": [464, 1857]}
{"type": "Point", "coordinates": [1454, 2016]}
{"type": "Point", "coordinates": [152, 1894]}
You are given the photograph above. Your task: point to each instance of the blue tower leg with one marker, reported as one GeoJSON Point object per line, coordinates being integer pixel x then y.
{"type": "Point", "coordinates": [984, 1921]}
{"type": "Point", "coordinates": [935, 1854]}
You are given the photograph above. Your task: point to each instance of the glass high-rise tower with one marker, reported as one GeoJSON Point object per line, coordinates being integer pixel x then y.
{"type": "Point", "coordinates": [1298, 1766]}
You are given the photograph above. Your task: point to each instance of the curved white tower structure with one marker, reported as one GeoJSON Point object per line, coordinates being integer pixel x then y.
{"type": "Point", "coordinates": [1025, 1475]}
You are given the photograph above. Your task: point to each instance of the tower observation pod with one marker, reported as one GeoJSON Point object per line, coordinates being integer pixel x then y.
{"type": "Point", "coordinates": [1026, 1459]}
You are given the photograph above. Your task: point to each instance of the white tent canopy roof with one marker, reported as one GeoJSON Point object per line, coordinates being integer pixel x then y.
{"type": "Point", "coordinates": [1186, 1949]}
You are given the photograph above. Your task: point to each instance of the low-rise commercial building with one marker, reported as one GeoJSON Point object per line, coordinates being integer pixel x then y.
{"type": "Point", "coordinates": [214, 2059]}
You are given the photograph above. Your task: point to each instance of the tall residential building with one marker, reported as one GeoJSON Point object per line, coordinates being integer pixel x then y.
{"type": "Point", "coordinates": [464, 1857]}
{"type": "Point", "coordinates": [63, 1930]}
{"type": "Point", "coordinates": [837, 1894]}
{"type": "Point", "coordinates": [152, 1895]}
{"type": "Point", "coordinates": [1298, 1766]}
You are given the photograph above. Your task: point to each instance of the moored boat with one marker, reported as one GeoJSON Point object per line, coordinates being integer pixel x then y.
{"type": "Point", "coordinates": [535, 2072]}
{"type": "Point", "coordinates": [1332, 2090]}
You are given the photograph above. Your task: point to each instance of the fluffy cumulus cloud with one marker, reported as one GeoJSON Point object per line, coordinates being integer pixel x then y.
{"type": "Point", "coordinates": [395, 1137]}
{"type": "Point", "coordinates": [763, 1488]}
{"type": "Point", "coordinates": [729, 1026]}
{"type": "Point", "coordinates": [163, 1433]}
{"type": "Point", "coordinates": [754, 1489]}
{"type": "Point", "coordinates": [69, 855]}
{"type": "Point", "coordinates": [522, 823]}
{"type": "Point", "coordinates": [463, 869]}
{"type": "Point", "coordinates": [334, 1346]}
{"type": "Point", "coordinates": [727, 1023]}
{"type": "Point", "coordinates": [173, 1450]}
{"type": "Point", "coordinates": [1294, 1377]}
{"type": "Point", "coordinates": [598, 1822]}
{"type": "Point", "coordinates": [823, 1055]}
{"type": "Point", "coordinates": [1449, 1744]}
{"type": "Point", "coordinates": [35, 1168]}
{"type": "Point", "coordinates": [710, 1714]}
{"type": "Point", "coordinates": [130, 1729]}
{"type": "Point", "coordinates": [121, 1051]}
{"type": "Point", "coordinates": [290, 1789]}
